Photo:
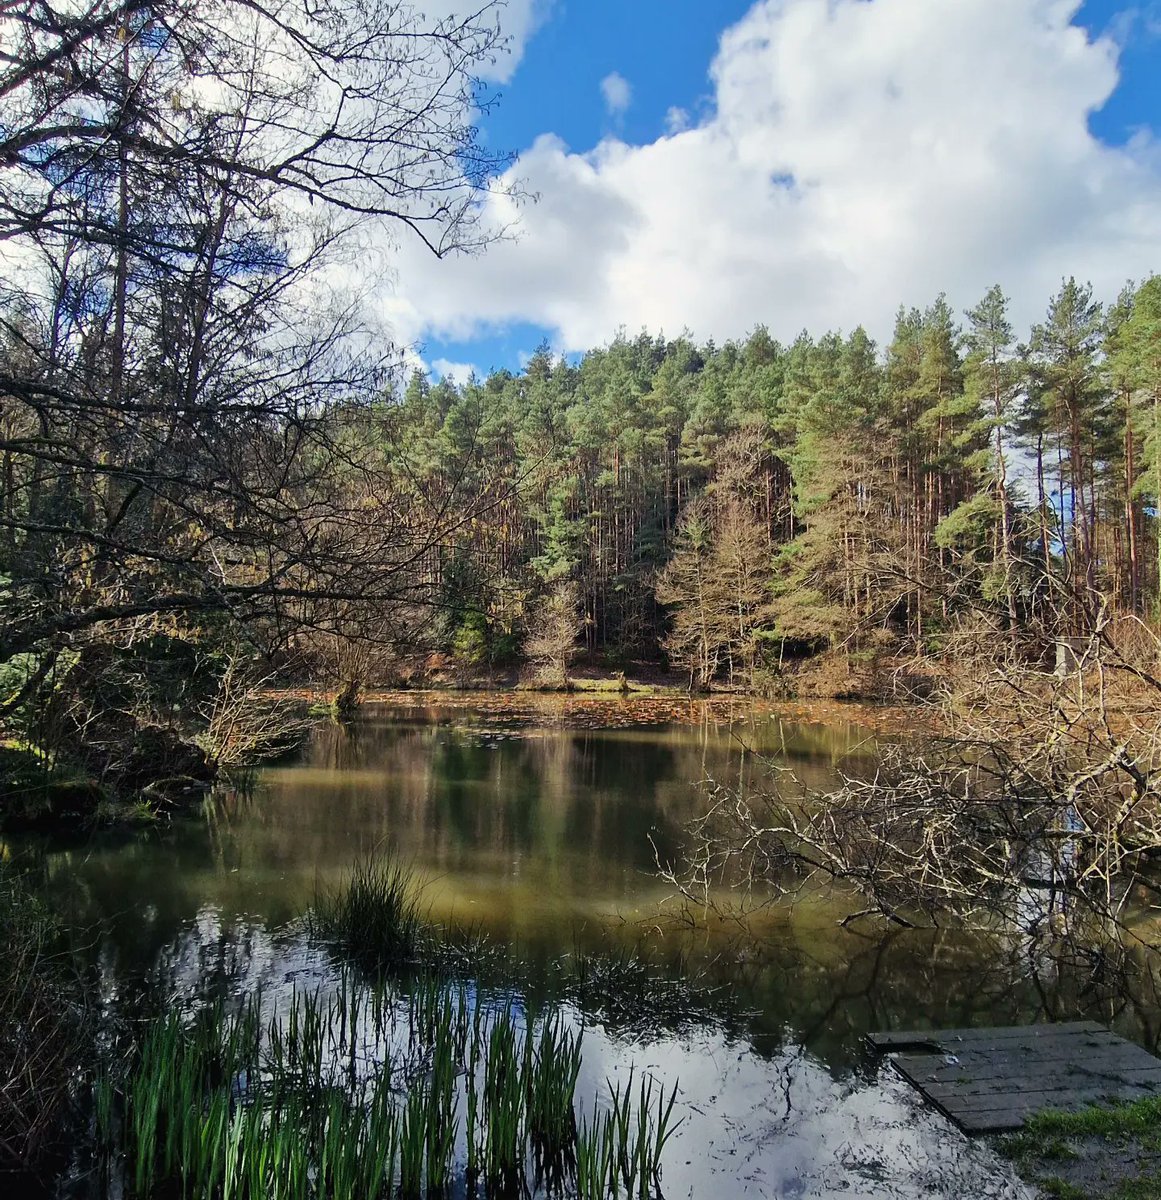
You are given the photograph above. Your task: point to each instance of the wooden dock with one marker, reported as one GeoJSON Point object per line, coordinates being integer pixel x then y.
{"type": "Point", "coordinates": [991, 1080]}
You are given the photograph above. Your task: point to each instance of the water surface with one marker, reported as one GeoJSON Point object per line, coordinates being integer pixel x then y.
{"type": "Point", "coordinates": [540, 822]}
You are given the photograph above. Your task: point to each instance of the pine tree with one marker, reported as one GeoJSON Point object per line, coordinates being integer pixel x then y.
{"type": "Point", "coordinates": [992, 381]}
{"type": "Point", "coordinates": [1139, 358]}
{"type": "Point", "coordinates": [1074, 408]}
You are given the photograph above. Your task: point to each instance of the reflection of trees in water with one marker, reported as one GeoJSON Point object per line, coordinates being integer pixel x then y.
{"type": "Point", "coordinates": [575, 809]}
{"type": "Point", "coordinates": [457, 788]}
{"type": "Point", "coordinates": [337, 745]}
{"type": "Point", "coordinates": [793, 991]}
{"type": "Point", "coordinates": [827, 992]}
{"type": "Point", "coordinates": [439, 790]}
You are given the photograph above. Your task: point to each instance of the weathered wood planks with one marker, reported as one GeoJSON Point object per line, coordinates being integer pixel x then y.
{"type": "Point", "coordinates": [991, 1080]}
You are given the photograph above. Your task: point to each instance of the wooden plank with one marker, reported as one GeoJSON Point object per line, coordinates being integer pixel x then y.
{"type": "Point", "coordinates": [1141, 1077]}
{"type": "Point", "coordinates": [1029, 1085]}
{"type": "Point", "coordinates": [1044, 1047]}
{"type": "Point", "coordinates": [935, 1068]}
{"type": "Point", "coordinates": [1006, 1113]}
{"type": "Point", "coordinates": [972, 1097]}
{"type": "Point", "coordinates": [892, 1039]}
{"type": "Point", "coordinates": [1013, 1116]}
{"type": "Point", "coordinates": [1065, 1099]}
{"type": "Point", "coordinates": [998, 1077]}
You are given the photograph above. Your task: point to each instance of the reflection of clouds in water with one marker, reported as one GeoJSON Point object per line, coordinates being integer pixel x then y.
{"type": "Point", "coordinates": [784, 1127]}
{"type": "Point", "coordinates": [219, 956]}
{"type": "Point", "coordinates": [779, 1126]}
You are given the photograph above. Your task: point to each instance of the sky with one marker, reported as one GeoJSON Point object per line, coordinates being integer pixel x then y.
{"type": "Point", "coordinates": [712, 165]}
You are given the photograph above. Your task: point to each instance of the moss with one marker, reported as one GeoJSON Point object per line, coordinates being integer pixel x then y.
{"type": "Point", "coordinates": [1061, 1189]}
{"type": "Point", "coordinates": [1146, 1187]}
{"type": "Point", "coordinates": [33, 796]}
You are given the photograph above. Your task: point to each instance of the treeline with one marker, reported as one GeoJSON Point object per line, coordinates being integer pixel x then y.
{"type": "Point", "coordinates": [209, 483]}
{"type": "Point", "coordinates": [724, 507]}
{"type": "Point", "coordinates": [196, 484]}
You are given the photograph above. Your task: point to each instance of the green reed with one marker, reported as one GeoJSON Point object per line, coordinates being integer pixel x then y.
{"type": "Point", "coordinates": [638, 1130]}
{"type": "Point", "coordinates": [552, 1071]}
{"type": "Point", "coordinates": [374, 918]}
{"type": "Point", "coordinates": [596, 1170]}
{"type": "Point", "coordinates": [365, 1095]}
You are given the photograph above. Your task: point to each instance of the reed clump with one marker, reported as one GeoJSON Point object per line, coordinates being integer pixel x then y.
{"type": "Point", "coordinates": [361, 1095]}
{"type": "Point", "coordinates": [374, 918]}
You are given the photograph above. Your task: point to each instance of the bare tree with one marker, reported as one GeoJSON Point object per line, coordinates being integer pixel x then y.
{"type": "Point", "coordinates": [553, 631]}
{"type": "Point", "coordinates": [191, 417]}
{"type": "Point", "coordinates": [1038, 806]}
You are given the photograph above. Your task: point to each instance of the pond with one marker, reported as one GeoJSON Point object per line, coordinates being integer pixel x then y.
{"type": "Point", "coordinates": [538, 822]}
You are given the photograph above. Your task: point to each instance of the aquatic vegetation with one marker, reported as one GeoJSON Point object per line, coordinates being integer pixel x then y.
{"type": "Point", "coordinates": [375, 916]}
{"type": "Point", "coordinates": [628, 989]}
{"type": "Point", "coordinates": [641, 1133]}
{"type": "Point", "coordinates": [375, 922]}
{"type": "Point", "coordinates": [365, 1094]}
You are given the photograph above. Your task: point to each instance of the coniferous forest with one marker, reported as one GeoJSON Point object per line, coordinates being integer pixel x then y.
{"type": "Point", "coordinates": [232, 508]}
{"type": "Point", "coordinates": [727, 508]}
{"type": "Point", "coordinates": [216, 481]}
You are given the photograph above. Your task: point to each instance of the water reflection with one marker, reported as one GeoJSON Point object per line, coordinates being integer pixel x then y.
{"type": "Point", "coordinates": [528, 828]}
{"type": "Point", "coordinates": [778, 1121]}
{"type": "Point", "coordinates": [540, 824]}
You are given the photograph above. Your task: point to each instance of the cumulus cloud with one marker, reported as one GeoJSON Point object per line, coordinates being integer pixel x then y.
{"type": "Point", "coordinates": [676, 119]}
{"type": "Point", "coordinates": [617, 93]}
{"type": "Point", "coordinates": [859, 154]}
{"type": "Point", "coordinates": [457, 372]}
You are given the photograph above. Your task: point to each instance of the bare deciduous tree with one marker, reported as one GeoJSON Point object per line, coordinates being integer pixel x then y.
{"type": "Point", "coordinates": [553, 631]}
{"type": "Point", "coordinates": [1038, 806]}
{"type": "Point", "coordinates": [191, 423]}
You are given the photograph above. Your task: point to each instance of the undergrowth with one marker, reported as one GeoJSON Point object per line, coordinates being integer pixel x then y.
{"type": "Point", "coordinates": [44, 1030]}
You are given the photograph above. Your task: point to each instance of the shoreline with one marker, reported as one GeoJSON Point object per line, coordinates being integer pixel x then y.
{"type": "Point", "coordinates": [677, 707]}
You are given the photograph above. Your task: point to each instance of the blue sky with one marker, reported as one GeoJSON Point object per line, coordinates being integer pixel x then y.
{"type": "Point", "coordinates": [660, 53]}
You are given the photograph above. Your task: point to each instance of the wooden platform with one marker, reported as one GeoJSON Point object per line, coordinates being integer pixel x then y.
{"type": "Point", "coordinates": [990, 1080]}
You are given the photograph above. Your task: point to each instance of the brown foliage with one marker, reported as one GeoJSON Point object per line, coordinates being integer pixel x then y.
{"type": "Point", "coordinates": [43, 1032]}
{"type": "Point", "coordinates": [1038, 806]}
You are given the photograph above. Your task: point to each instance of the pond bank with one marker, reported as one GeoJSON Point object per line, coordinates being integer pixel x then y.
{"type": "Point", "coordinates": [1100, 1153]}
{"type": "Point", "coordinates": [607, 707]}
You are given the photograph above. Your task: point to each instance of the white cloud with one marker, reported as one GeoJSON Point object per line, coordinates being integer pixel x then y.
{"type": "Point", "coordinates": [617, 92]}
{"type": "Point", "coordinates": [457, 372]}
{"type": "Point", "coordinates": [676, 119]}
{"type": "Point", "coordinates": [519, 20]}
{"type": "Point", "coordinates": [859, 155]}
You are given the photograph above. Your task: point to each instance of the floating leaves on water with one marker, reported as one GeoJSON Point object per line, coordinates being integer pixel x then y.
{"type": "Point", "coordinates": [509, 712]}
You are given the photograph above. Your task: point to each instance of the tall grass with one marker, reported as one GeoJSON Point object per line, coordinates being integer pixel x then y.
{"type": "Point", "coordinates": [364, 1095]}
{"type": "Point", "coordinates": [374, 918]}
{"type": "Point", "coordinates": [45, 1029]}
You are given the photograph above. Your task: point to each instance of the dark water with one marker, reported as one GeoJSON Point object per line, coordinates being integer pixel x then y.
{"type": "Point", "coordinates": [540, 822]}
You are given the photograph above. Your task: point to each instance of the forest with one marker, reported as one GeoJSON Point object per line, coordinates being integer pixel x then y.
{"type": "Point", "coordinates": [218, 479]}
{"type": "Point", "coordinates": [729, 509]}
{"type": "Point", "coordinates": [232, 508]}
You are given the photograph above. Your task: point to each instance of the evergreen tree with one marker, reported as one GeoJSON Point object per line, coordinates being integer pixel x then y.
{"type": "Point", "coordinates": [992, 383]}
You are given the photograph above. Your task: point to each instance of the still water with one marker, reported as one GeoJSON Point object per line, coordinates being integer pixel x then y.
{"type": "Point", "coordinates": [539, 822]}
